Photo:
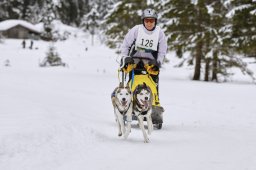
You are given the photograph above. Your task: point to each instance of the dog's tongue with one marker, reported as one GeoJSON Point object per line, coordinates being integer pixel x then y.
{"type": "Point", "coordinates": [145, 103]}
{"type": "Point", "coordinates": [124, 103]}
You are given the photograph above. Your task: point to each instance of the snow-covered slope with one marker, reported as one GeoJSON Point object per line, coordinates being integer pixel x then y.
{"type": "Point", "coordinates": [62, 118]}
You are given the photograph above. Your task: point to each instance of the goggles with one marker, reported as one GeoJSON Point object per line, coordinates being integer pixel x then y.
{"type": "Point", "coordinates": [151, 20]}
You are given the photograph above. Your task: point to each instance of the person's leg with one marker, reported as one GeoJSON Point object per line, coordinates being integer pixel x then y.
{"type": "Point", "coordinates": [156, 80]}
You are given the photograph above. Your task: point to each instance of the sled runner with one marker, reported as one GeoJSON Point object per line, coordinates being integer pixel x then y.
{"type": "Point", "coordinates": [139, 74]}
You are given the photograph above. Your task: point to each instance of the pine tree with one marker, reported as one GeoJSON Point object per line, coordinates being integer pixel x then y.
{"type": "Point", "coordinates": [186, 28]}
{"type": "Point", "coordinates": [243, 14]}
{"type": "Point", "coordinates": [13, 8]}
{"type": "Point", "coordinates": [202, 29]}
{"type": "Point", "coordinates": [29, 10]}
{"type": "Point", "coordinates": [52, 58]}
{"type": "Point", "coordinates": [71, 12]}
{"type": "Point", "coordinates": [91, 22]}
{"type": "Point", "coordinates": [217, 40]}
{"type": "Point", "coordinates": [48, 17]}
{"type": "Point", "coordinates": [103, 7]}
{"type": "Point", "coordinates": [124, 16]}
{"type": "Point", "coordinates": [3, 10]}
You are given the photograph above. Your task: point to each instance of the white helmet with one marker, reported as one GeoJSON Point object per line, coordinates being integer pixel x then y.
{"type": "Point", "coordinates": [149, 13]}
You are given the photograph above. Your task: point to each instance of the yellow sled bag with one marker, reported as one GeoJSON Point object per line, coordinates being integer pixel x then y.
{"type": "Point", "coordinates": [146, 78]}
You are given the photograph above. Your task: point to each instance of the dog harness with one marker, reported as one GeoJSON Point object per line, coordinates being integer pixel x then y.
{"type": "Point", "coordinates": [139, 108]}
{"type": "Point", "coordinates": [125, 111]}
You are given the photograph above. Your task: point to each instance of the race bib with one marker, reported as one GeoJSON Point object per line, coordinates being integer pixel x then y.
{"type": "Point", "coordinates": [147, 42]}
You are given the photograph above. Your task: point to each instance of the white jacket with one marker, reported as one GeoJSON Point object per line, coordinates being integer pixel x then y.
{"type": "Point", "coordinates": [130, 39]}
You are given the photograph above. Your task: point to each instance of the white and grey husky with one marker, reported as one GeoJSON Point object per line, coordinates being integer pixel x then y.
{"type": "Point", "coordinates": [142, 108]}
{"type": "Point", "coordinates": [122, 103]}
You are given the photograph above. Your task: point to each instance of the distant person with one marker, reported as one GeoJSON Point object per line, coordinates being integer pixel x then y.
{"type": "Point", "coordinates": [23, 44]}
{"type": "Point", "coordinates": [31, 44]}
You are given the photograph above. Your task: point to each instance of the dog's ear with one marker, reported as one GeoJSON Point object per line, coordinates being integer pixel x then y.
{"type": "Point", "coordinates": [135, 91]}
{"type": "Point", "coordinates": [127, 86]}
{"type": "Point", "coordinates": [144, 85]}
{"type": "Point", "coordinates": [120, 85]}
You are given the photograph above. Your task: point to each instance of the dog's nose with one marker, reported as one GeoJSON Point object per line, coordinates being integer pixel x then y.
{"type": "Point", "coordinates": [123, 99]}
{"type": "Point", "coordinates": [146, 98]}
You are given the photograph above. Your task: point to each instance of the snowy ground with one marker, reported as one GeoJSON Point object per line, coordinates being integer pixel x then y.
{"type": "Point", "coordinates": [61, 118]}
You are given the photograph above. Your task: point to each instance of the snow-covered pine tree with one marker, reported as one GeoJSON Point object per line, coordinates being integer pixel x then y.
{"type": "Point", "coordinates": [34, 10]}
{"type": "Point", "coordinates": [186, 23]}
{"type": "Point", "coordinates": [29, 10]}
{"type": "Point", "coordinates": [91, 22]}
{"type": "Point", "coordinates": [124, 16]}
{"type": "Point", "coordinates": [199, 27]}
{"type": "Point", "coordinates": [48, 17]}
{"type": "Point", "coordinates": [175, 17]}
{"type": "Point", "coordinates": [243, 15]}
{"type": "Point", "coordinates": [3, 10]}
{"type": "Point", "coordinates": [199, 36]}
{"type": "Point", "coordinates": [25, 10]}
{"type": "Point", "coordinates": [71, 12]}
{"type": "Point", "coordinates": [217, 48]}
{"type": "Point", "coordinates": [103, 7]}
{"type": "Point", "coordinates": [52, 58]}
{"type": "Point", "coordinates": [13, 9]}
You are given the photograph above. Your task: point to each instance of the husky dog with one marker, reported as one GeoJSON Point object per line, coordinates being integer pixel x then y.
{"type": "Point", "coordinates": [122, 103]}
{"type": "Point", "coordinates": [142, 108]}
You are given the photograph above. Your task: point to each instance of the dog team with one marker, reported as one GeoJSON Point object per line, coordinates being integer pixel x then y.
{"type": "Point", "coordinates": [126, 104]}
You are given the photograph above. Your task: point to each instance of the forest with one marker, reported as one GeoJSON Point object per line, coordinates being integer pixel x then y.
{"type": "Point", "coordinates": [210, 35]}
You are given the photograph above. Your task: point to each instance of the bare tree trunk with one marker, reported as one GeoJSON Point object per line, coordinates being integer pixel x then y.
{"type": "Point", "coordinates": [215, 67]}
{"type": "Point", "coordinates": [207, 69]}
{"type": "Point", "coordinates": [198, 61]}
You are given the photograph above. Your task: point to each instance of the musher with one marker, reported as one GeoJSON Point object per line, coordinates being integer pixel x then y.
{"type": "Point", "coordinates": [145, 47]}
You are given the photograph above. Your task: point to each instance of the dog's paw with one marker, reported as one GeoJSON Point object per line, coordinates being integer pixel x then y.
{"type": "Point", "coordinates": [119, 134]}
{"type": "Point", "coordinates": [126, 135]}
{"type": "Point", "coordinates": [124, 132]}
{"type": "Point", "coordinates": [146, 140]}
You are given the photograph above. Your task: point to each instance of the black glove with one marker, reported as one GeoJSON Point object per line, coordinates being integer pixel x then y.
{"type": "Point", "coordinates": [125, 61]}
{"type": "Point", "coordinates": [128, 60]}
{"type": "Point", "coordinates": [155, 63]}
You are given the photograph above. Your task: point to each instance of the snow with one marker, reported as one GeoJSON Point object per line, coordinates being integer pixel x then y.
{"type": "Point", "coordinates": [61, 118]}
{"type": "Point", "coordinates": [194, 2]}
{"type": "Point", "coordinates": [231, 13]}
{"type": "Point", "coordinates": [253, 12]}
{"type": "Point", "coordinates": [7, 24]}
{"type": "Point", "coordinates": [210, 9]}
